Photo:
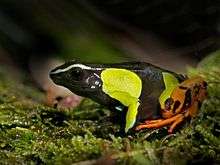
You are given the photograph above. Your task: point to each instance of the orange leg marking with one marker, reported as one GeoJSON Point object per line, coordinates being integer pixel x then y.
{"type": "Point", "coordinates": [193, 109]}
{"type": "Point", "coordinates": [173, 121]}
{"type": "Point", "coordinates": [152, 121]}
{"type": "Point", "coordinates": [176, 122]}
{"type": "Point", "coordinates": [182, 117]}
{"type": "Point", "coordinates": [159, 123]}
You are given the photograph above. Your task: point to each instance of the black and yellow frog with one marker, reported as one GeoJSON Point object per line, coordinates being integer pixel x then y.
{"type": "Point", "coordinates": [150, 96]}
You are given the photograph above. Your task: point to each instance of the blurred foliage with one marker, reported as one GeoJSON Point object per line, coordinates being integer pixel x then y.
{"type": "Point", "coordinates": [32, 133]}
{"type": "Point", "coordinates": [178, 22]}
{"type": "Point", "coordinates": [211, 62]}
{"type": "Point", "coordinates": [43, 28]}
{"type": "Point", "coordinates": [90, 29]}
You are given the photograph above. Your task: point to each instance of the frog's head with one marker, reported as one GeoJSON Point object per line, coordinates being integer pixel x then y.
{"type": "Point", "coordinates": [79, 78]}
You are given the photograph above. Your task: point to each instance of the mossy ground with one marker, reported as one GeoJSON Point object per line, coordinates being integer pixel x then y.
{"type": "Point", "coordinates": [32, 133]}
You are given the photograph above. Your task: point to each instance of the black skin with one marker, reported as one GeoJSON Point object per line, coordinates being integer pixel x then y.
{"type": "Point", "coordinates": [80, 81]}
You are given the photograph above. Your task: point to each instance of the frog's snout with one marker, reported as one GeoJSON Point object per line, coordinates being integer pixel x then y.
{"type": "Point", "coordinates": [56, 77]}
{"type": "Point", "coordinates": [52, 75]}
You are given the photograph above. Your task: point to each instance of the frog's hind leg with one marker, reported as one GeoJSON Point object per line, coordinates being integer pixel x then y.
{"type": "Point", "coordinates": [194, 109]}
{"type": "Point", "coordinates": [152, 121]}
{"type": "Point", "coordinates": [162, 122]}
{"type": "Point", "coordinates": [178, 120]}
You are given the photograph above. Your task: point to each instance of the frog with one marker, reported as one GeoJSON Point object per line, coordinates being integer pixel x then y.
{"type": "Point", "coordinates": [138, 91]}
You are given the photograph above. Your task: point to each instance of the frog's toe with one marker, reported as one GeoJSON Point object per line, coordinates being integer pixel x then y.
{"type": "Point", "coordinates": [150, 124]}
{"type": "Point", "coordinates": [152, 121]}
{"type": "Point", "coordinates": [142, 126]}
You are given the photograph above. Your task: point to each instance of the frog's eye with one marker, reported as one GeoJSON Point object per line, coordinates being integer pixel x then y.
{"type": "Point", "coordinates": [76, 73]}
{"type": "Point", "coordinates": [168, 103]}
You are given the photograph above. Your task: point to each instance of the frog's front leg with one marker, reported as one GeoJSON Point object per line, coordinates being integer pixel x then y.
{"type": "Point", "coordinates": [153, 121]}
{"type": "Point", "coordinates": [173, 121]}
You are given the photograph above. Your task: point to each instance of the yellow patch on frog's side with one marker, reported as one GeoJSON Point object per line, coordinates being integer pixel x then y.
{"type": "Point", "coordinates": [124, 86]}
{"type": "Point", "coordinates": [171, 83]}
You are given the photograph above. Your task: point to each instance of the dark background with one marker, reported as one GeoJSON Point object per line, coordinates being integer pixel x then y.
{"type": "Point", "coordinates": [92, 29]}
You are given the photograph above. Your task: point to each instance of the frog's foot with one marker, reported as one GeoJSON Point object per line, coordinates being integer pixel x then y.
{"type": "Point", "coordinates": [179, 118]}
{"type": "Point", "coordinates": [173, 121]}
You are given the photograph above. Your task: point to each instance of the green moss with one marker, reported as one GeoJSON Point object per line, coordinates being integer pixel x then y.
{"type": "Point", "coordinates": [32, 133]}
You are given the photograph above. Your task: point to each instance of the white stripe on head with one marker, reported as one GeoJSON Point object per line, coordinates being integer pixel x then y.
{"type": "Point", "coordinates": [75, 66]}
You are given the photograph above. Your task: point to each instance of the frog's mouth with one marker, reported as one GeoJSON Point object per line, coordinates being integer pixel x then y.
{"type": "Point", "coordinates": [57, 78]}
